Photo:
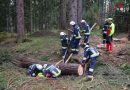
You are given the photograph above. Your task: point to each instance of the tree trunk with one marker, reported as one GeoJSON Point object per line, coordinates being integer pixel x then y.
{"type": "Point", "coordinates": [63, 12]}
{"type": "Point", "coordinates": [73, 10]}
{"type": "Point", "coordinates": [79, 10]}
{"type": "Point", "coordinates": [20, 19]}
{"type": "Point", "coordinates": [129, 32]}
{"type": "Point", "coordinates": [66, 69]}
{"type": "Point", "coordinates": [31, 17]}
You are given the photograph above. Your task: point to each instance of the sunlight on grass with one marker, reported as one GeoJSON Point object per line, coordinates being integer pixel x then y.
{"type": "Point", "coordinates": [39, 43]}
{"type": "Point", "coordinates": [5, 35]}
{"type": "Point", "coordinates": [96, 32]}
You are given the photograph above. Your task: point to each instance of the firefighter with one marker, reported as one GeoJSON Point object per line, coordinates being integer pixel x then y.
{"type": "Point", "coordinates": [51, 71]}
{"type": "Point", "coordinates": [64, 42]}
{"type": "Point", "coordinates": [74, 43]}
{"type": "Point", "coordinates": [35, 70]}
{"type": "Point", "coordinates": [110, 32]}
{"type": "Point", "coordinates": [90, 55]}
{"type": "Point", "coordinates": [104, 33]}
{"type": "Point", "coordinates": [86, 32]}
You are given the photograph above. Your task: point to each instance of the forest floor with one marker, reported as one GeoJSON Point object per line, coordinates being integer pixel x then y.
{"type": "Point", "coordinates": [112, 70]}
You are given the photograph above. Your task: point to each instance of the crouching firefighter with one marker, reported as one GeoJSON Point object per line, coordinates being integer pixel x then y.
{"type": "Point", "coordinates": [65, 43]}
{"type": "Point", "coordinates": [51, 71]}
{"type": "Point", "coordinates": [86, 32]}
{"type": "Point", "coordinates": [74, 43]}
{"type": "Point", "coordinates": [35, 70]}
{"type": "Point", "coordinates": [92, 54]}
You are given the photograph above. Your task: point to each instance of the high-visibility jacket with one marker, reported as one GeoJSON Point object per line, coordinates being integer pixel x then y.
{"type": "Point", "coordinates": [90, 53]}
{"type": "Point", "coordinates": [64, 41]}
{"type": "Point", "coordinates": [33, 70]}
{"type": "Point", "coordinates": [76, 32]}
{"type": "Point", "coordinates": [86, 28]}
{"type": "Point", "coordinates": [112, 26]}
{"type": "Point", "coordinates": [51, 71]}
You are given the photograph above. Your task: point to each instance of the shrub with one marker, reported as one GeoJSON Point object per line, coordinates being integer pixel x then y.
{"type": "Point", "coordinates": [5, 56]}
{"type": "Point", "coordinates": [126, 68]}
{"type": "Point", "coordinates": [2, 82]}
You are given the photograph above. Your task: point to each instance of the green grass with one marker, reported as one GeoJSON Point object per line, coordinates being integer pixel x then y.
{"type": "Point", "coordinates": [39, 43]}
{"type": "Point", "coordinates": [5, 35]}
{"type": "Point", "coordinates": [3, 82]}
{"type": "Point", "coordinates": [96, 32]}
{"type": "Point", "coordinates": [5, 56]}
{"type": "Point", "coordinates": [44, 58]}
{"type": "Point", "coordinates": [125, 68]}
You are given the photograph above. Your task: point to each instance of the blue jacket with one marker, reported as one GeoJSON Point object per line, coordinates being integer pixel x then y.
{"type": "Point", "coordinates": [90, 53]}
{"type": "Point", "coordinates": [86, 28]}
{"type": "Point", "coordinates": [76, 32]}
{"type": "Point", "coordinates": [52, 70]}
{"type": "Point", "coordinates": [105, 27]}
{"type": "Point", "coordinates": [33, 70]}
{"type": "Point", "coordinates": [64, 40]}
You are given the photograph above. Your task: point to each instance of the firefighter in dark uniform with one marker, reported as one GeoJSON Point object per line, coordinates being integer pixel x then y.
{"type": "Point", "coordinates": [74, 43]}
{"type": "Point", "coordinates": [86, 32]}
{"type": "Point", "coordinates": [90, 54]}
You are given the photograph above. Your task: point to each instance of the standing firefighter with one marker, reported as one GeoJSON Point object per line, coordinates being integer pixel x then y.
{"type": "Point", "coordinates": [92, 54]}
{"type": "Point", "coordinates": [110, 32]}
{"type": "Point", "coordinates": [35, 70]}
{"type": "Point", "coordinates": [104, 32]}
{"type": "Point", "coordinates": [51, 71]}
{"type": "Point", "coordinates": [86, 32]}
{"type": "Point", "coordinates": [75, 38]}
{"type": "Point", "coordinates": [64, 41]}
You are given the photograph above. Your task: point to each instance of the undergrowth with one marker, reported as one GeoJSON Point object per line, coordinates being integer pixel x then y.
{"type": "Point", "coordinates": [125, 68]}
{"type": "Point", "coordinates": [5, 56]}
{"type": "Point", "coordinates": [39, 43]}
{"type": "Point", "coordinates": [3, 82]}
{"type": "Point", "coordinates": [5, 35]}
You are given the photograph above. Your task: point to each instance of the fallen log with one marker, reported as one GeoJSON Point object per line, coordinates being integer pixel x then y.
{"type": "Point", "coordinates": [66, 68]}
{"type": "Point", "coordinates": [122, 40]}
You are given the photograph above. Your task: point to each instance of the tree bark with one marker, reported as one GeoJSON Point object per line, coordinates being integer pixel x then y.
{"type": "Point", "coordinates": [129, 32]}
{"type": "Point", "coordinates": [31, 17]}
{"type": "Point", "coordinates": [63, 11]}
{"type": "Point", "coordinates": [66, 69]}
{"type": "Point", "coordinates": [20, 19]}
{"type": "Point", "coordinates": [79, 11]}
{"type": "Point", "coordinates": [73, 10]}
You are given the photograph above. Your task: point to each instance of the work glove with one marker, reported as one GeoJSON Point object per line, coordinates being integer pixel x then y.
{"type": "Point", "coordinates": [63, 57]}
{"type": "Point", "coordinates": [48, 75]}
{"type": "Point", "coordinates": [83, 63]}
{"type": "Point", "coordinates": [33, 75]}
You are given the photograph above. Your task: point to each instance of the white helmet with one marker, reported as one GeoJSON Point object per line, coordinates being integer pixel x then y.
{"type": "Point", "coordinates": [39, 66]}
{"type": "Point", "coordinates": [83, 21]}
{"type": "Point", "coordinates": [72, 23]}
{"type": "Point", "coordinates": [110, 19]}
{"type": "Point", "coordinates": [62, 33]}
{"type": "Point", "coordinates": [44, 66]}
{"type": "Point", "coordinates": [86, 46]}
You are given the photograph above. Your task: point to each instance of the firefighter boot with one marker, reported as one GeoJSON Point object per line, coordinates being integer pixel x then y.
{"type": "Point", "coordinates": [111, 47]}
{"type": "Point", "coordinates": [107, 47]}
{"type": "Point", "coordinates": [90, 78]}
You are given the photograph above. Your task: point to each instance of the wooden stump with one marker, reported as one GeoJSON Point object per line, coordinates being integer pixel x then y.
{"type": "Point", "coordinates": [71, 69]}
